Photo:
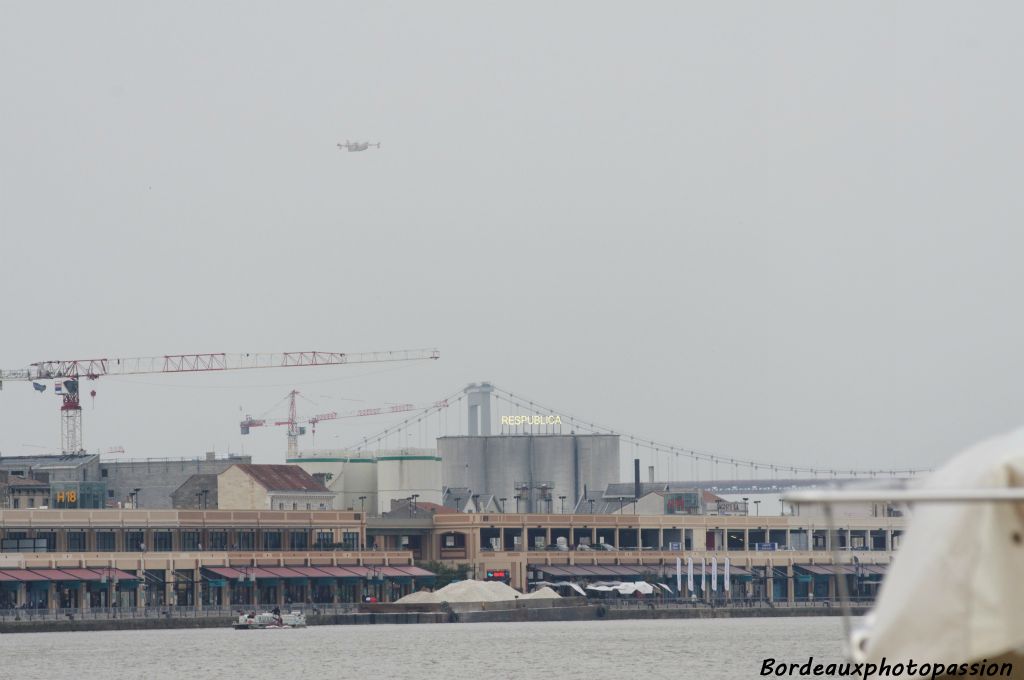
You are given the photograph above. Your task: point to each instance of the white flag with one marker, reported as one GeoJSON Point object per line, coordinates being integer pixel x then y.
{"type": "Point", "coordinates": [689, 574]}
{"type": "Point", "coordinates": [714, 573]}
{"type": "Point", "coordinates": [679, 576]}
{"type": "Point", "coordinates": [703, 575]}
{"type": "Point", "coordinates": [726, 574]}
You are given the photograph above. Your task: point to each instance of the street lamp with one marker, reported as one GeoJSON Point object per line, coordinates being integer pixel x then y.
{"type": "Point", "coordinates": [782, 507]}
{"type": "Point", "coordinates": [457, 506]}
{"type": "Point", "coordinates": [562, 498]}
{"type": "Point", "coordinates": [517, 503]}
{"type": "Point", "coordinates": [414, 497]}
{"type": "Point", "coordinates": [503, 504]}
{"type": "Point", "coordinates": [135, 496]}
{"type": "Point", "coordinates": [757, 508]}
{"type": "Point", "coordinates": [746, 510]}
{"type": "Point", "coordinates": [362, 502]}
{"type": "Point", "coordinates": [591, 501]}
{"type": "Point", "coordinates": [621, 500]}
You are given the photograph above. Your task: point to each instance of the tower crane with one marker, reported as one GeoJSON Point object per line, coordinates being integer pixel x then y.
{"type": "Point", "coordinates": [295, 426]}
{"type": "Point", "coordinates": [68, 374]}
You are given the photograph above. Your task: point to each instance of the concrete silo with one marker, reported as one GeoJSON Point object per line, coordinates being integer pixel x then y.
{"type": "Point", "coordinates": [360, 479]}
{"type": "Point", "coordinates": [536, 469]}
{"type": "Point", "coordinates": [401, 476]}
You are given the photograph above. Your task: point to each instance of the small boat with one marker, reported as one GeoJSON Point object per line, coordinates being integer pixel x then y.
{"type": "Point", "coordinates": [274, 619]}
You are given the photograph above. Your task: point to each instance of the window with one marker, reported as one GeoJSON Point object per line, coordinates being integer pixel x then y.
{"type": "Point", "coordinates": [295, 506]}
{"type": "Point", "coordinates": [246, 540]}
{"type": "Point", "coordinates": [31, 502]}
{"type": "Point", "coordinates": [103, 472]}
{"type": "Point", "coordinates": [218, 540]}
{"type": "Point", "coordinates": [190, 540]}
{"type": "Point", "coordinates": [17, 502]}
{"type": "Point", "coordinates": [105, 541]}
{"type": "Point", "coordinates": [134, 541]}
{"type": "Point", "coordinates": [280, 506]}
{"type": "Point", "coordinates": [162, 541]}
{"type": "Point", "coordinates": [323, 506]}
{"type": "Point", "coordinates": [324, 539]}
{"type": "Point", "coordinates": [272, 540]}
{"type": "Point", "coordinates": [350, 540]}
{"type": "Point", "coordinates": [76, 541]}
{"type": "Point", "coordinates": [309, 506]}
{"type": "Point", "coordinates": [299, 541]}
{"type": "Point", "coordinates": [110, 493]}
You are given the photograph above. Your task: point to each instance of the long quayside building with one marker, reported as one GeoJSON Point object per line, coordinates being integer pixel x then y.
{"type": "Point", "coordinates": [82, 558]}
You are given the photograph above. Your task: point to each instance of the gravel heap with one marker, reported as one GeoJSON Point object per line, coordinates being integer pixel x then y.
{"type": "Point", "coordinates": [544, 593]}
{"type": "Point", "coordinates": [469, 591]}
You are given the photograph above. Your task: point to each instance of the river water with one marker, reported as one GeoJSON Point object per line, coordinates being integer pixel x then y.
{"type": "Point", "coordinates": [595, 650]}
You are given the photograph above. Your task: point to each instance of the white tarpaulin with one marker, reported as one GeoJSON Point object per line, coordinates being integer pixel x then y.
{"type": "Point", "coordinates": [703, 576]}
{"type": "Point", "coordinates": [689, 574]}
{"type": "Point", "coordinates": [726, 582]}
{"type": "Point", "coordinates": [623, 588]}
{"type": "Point", "coordinates": [954, 590]}
{"type": "Point", "coordinates": [679, 575]}
{"type": "Point", "coordinates": [714, 574]}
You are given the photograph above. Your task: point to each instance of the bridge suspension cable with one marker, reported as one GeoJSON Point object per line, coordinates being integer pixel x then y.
{"type": "Point", "coordinates": [672, 450]}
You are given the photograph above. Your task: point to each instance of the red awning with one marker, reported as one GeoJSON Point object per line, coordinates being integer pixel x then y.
{"type": "Point", "coordinates": [361, 572]}
{"type": "Point", "coordinates": [26, 575]}
{"type": "Point", "coordinates": [5, 577]}
{"type": "Point", "coordinates": [226, 572]}
{"type": "Point", "coordinates": [54, 575]}
{"type": "Point", "coordinates": [282, 572]}
{"type": "Point", "coordinates": [340, 572]}
{"type": "Point", "coordinates": [310, 572]}
{"type": "Point", "coordinates": [84, 574]}
{"type": "Point", "coordinates": [416, 571]}
{"type": "Point", "coordinates": [391, 571]}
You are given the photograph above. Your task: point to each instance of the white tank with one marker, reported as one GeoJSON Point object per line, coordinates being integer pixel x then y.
{"type": "Point", "coordinates": [360, 479]}
{"type": "Point", "coordinates": [327, 463]}
{"type": "Point", "coordinates": [401, 476]}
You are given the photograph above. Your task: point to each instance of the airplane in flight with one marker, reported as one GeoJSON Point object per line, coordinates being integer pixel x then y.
{"type": "Point", "coordinates": [357, 146]}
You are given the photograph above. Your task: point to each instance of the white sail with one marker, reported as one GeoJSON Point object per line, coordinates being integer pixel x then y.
{"type": "Point", "coordinates": [954, 590]}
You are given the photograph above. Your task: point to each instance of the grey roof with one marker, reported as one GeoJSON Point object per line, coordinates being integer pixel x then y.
{"type": "Point", "coordinates": [70, 460]}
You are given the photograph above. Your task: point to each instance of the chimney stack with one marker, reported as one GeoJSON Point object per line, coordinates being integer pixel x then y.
{"type": "Point", "coordinates": [636, 478]}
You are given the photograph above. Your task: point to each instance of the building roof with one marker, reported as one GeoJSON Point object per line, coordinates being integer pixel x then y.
{"type": "Point", "coordinates": [66, 460]}
{"type": "Point", "coordinates": [282, 478]}
{"type": "Point", "coordinates": [20, 481]}
{"type": "Point", "coordinates": [402, 508]}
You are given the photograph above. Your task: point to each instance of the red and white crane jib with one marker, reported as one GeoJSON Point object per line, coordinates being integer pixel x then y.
{"type": "Point", "coordinates": [217, 361]}
{"type": "Point", "coordinates": [181, 363]}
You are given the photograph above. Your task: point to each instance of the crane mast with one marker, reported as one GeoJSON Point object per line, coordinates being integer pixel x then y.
{"type": "Point", "coordinates": [68, 373]}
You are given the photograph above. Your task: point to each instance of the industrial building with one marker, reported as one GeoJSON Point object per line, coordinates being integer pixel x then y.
{"type": "Point", "coordinates": [371, 483]}
{"type": "Point", "coordinates": [532, 472]}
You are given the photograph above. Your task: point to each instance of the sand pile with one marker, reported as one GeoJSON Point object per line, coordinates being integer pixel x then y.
{"type": "Point", "coordinates": [419, 597]}
{"type": "Point", "coordinates": [544, 593]}
{"type": "Point", "coordinates": [466, 591]}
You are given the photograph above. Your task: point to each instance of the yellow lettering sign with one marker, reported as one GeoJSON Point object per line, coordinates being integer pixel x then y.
{"type": "Point", "coordinates": [531, 420]}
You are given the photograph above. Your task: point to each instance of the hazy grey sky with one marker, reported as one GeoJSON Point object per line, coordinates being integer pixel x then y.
{"type": "Point", "coordinates": [782, 231]}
